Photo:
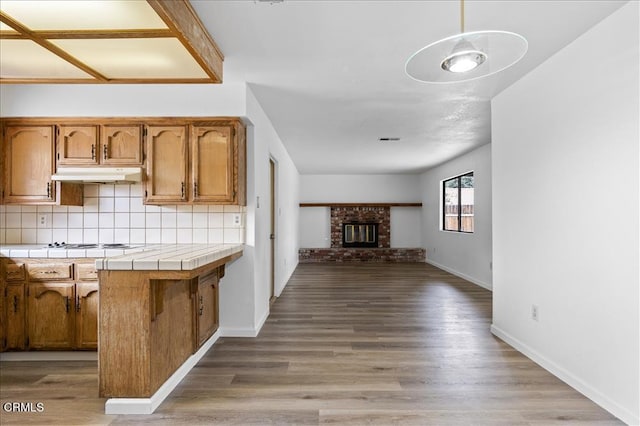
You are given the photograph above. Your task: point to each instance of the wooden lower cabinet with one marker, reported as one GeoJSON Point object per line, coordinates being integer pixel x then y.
{"type": "Point", "coordinates": [51, 315]}
{"type": "Point", "coordinates": [86, 315]}
{"type": "Point", "coordinates": [15, 317]}
{"type": "Point", "coordinates": [206, 307]}
{"type": "Point", "coordinates": [56, 314]}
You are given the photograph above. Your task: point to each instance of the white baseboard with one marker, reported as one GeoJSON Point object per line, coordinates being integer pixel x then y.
{"type": "Point", "coordinates": [149, 405]}
{"type": "Point", "coordinates": [461, 275]}
{"type": "Point", "coordinates": [242, 331]}
{"type": "Point", "coordinates": [49, 356]}
{"type": "Point", "coordinates": [573, 381]}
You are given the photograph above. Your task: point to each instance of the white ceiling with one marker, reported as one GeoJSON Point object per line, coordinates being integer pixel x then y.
{"type": "Point", "coordinates": [330, 74]}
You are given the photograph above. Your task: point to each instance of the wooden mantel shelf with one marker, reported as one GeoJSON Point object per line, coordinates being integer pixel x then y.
{"type": "Point", "coordinates": [360, 204]}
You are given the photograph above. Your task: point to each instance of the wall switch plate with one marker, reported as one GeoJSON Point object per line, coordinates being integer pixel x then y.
{"type": "Point", "coordinates": [534, 312]}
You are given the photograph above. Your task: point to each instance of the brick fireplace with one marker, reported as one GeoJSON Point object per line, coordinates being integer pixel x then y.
{"type": "Point", "coordinates": [364, 219]}
{"type": "Point", "coordinates": [380, 216]}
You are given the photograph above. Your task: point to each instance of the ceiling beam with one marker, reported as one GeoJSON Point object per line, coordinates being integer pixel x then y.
{"type": "Point", "coordinates": [180, 17]}
{"type": "Point", "coordinates": [90, 34]}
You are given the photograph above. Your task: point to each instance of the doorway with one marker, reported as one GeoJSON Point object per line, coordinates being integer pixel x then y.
{"type": "Point", "coordinates": [272, 230]}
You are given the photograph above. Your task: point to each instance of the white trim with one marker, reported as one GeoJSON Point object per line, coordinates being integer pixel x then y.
{"type": "Point", "coordinates": [461, 275]}
{"type": "Point", "coordinates": [49, 356]}
{"type": "Point", "coordinates": [567, 377]}
{"type": "Point", "coordinates": [244, 332]}
{"type": "Point", "coordinates": [149, 405]}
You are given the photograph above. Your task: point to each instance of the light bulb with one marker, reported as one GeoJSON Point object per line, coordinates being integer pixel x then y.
{"type": "Point", "coordinates": [463, 61]}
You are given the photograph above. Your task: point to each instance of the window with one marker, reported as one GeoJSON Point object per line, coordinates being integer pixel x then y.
{"type": "Point", "coordinates": [457, 203]}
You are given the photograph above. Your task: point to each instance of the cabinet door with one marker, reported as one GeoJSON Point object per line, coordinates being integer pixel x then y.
{"type": "Point", "coordinates": [29, 164]}
{"type": "Point", "coordinates": [213, 165]}
{"type": "Point", "coordinates": [50, 315]}
{"type": "Point", "coordinates": [15, 316]}
{"type": "Point", "coordinates": [207, 307]}
{"type": "Point", "coordinates": [121, 145]}
{"type": "Point", "coordinates": [87, 315]}
{"type": "Point", "coordinates": [166, 181]}
{"type": "Point", "coordinates": [77, 145]}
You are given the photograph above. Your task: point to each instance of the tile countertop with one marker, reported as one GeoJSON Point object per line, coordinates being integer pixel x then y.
{"type": "Point", "coordinates": [42, 251]}
{"type": "Point", "coordinates": [169, 257]}
{"type": "Point", "coordinates": [150, 257]}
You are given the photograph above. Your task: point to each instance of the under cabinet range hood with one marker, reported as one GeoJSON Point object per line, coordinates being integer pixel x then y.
{"type": "Point", "coordinates": [98, 174]}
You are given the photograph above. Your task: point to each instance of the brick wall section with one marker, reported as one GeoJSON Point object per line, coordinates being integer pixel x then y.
{"type": "Point", "coordinates": [380, 215]}
{"type": "Point", "coordinates": [394, 255]}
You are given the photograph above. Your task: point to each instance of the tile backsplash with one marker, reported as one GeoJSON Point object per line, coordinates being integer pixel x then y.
{"type": "Point", "coordinates": [116, 213]}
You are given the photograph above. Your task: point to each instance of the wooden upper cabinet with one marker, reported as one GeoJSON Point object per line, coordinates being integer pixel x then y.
{"type": "Point", "coordinates": [108, 145]}
{"type": "Point", "coordinates": [121, 145]}
{"type": "Point", "coordinates": [78, 145]}
{"type": "Point", "coordinates": [29, 164]}
{"type": "Point", "coordinates": [212, 162]}
{"type": "Point", "coordinates": [210, 165]}
{"type": "Point", "coordinates": [167, 158]}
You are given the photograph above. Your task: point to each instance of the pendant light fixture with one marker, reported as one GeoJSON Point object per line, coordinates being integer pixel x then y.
{"type": "Point", "coordinates": [466, 56]}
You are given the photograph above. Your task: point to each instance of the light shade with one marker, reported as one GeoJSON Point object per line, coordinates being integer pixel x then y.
{"type": "Point", "coordinates": [466, 56]}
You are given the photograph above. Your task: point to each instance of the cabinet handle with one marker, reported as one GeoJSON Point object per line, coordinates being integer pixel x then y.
{"type": "Point", "coordinates": [104, 152]}
{"type": "Point", "coordinates": [182, 191]}
{"type": "Point", "coordinates": [77, 303]}
{"type": "Point", "coordinates": [15, 304]}
{"type": "Point", "coordinates": [201, 306]}
{"type": "Point", "coordinates": [66, 303]}
{"type": "Point", "coordinates": [93, 151]}
{"type": "Point", "coordinates": [48, 189]}
{"type": "Point", "coordinates": [195, 189]}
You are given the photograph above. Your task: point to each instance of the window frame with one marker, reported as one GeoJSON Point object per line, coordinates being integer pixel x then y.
{"type": "Point", "coordinates": [444, 204]}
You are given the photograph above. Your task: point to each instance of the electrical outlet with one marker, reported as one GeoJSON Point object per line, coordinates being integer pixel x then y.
{"type": "Point", "coordinates": [534, 312]}
{"type": "Point", "coordinates": [237, 219]}
{"type": "Point", "coordinates": [42, 221]}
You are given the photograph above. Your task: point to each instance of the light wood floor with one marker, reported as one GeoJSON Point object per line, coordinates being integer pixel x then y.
{"type": "Point", "coordinates": [344, 344]}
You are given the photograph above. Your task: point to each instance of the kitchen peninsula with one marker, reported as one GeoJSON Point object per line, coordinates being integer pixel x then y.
{"type": "Point", "coordinates": [158, 312]}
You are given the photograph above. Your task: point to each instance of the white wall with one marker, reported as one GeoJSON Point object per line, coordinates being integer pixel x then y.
{"type": "Point", "coordinates": [268, 145]}
{"type": "Point", "coordinates": [242, 291]}
{"type": "Point", "coordinates": [465, 255]}
{"type": "Point", "coordinates": [314, 221]}
{"type": "Point", "coordinates": [565, 208]}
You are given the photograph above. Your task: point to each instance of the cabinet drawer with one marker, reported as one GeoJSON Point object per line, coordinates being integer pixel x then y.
{"type": "Point", "coordinates": [50, 271]}
{"type": "Point", "coordinates": [14, 272]}
{"type": "Point", "coordinates": [86, 272]}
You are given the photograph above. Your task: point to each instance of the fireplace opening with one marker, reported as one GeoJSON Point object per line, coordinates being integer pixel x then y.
{"type": "Point", "coordinates": [359, 235]}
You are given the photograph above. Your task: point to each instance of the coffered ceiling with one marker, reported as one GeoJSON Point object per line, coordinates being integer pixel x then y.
{"type": "Point", "coordinates": [105, 41]}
